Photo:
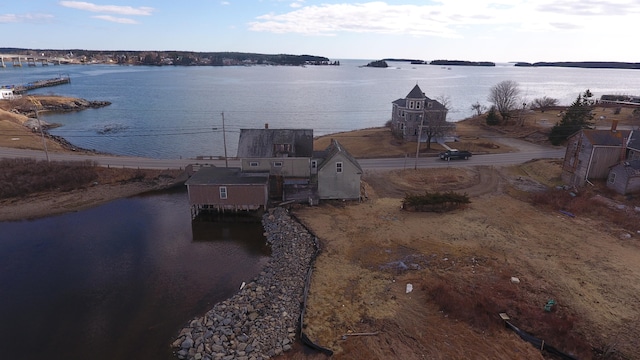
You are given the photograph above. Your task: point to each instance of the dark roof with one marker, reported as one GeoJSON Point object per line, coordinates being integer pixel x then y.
{"type": "Point", "coordinates": [416, 93]}
{"type": "Point", "coordinates": [259, 143]}
{"type": "Point", "coordinates": [606, 137]}
{"type": "Point", "coordinates": [634, 140]}
{"type": "Point", "coordinates": [332, 150]}
{"type": "Point", "coordinates": [212, 175]}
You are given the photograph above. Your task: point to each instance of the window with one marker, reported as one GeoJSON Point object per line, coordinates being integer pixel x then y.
{"type": "Point", "coordinates": [277, 164]}
{"type": "Point", "coordinates": [254, 164]}
{"type": "Point", "coordinates": [281, 148]}
{"type": "Point", "coordinates": [410, 104]}
{"type": "Point", "coordinates": [338, 167]}
{"type": "Point", "coordinates": [314, 164]}
{"type": "Point", "coordinates": [612, 178]}
{"type": "Point", "coordinates": [223, 192]}
{"type": "Point", "coordinates": [418, 105]}
{"type": "Point", "coordinates": [429, 104]}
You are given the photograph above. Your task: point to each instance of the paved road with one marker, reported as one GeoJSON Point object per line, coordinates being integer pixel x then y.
{"type": "Point", "coordinates": [528, 152]}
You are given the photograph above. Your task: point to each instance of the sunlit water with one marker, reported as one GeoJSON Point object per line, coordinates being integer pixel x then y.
{"type": "Point", "coordinates": [117, 281]}
{"type": "Point", "coordinates": [172, 112]}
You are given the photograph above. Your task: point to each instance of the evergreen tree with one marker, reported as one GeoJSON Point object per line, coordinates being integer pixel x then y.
{"type": "Point", "coordinates": [492, 116]}
{"type": "Point", "coordinates": [578, 116]}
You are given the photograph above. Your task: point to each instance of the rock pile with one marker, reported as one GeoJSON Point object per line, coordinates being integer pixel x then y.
{"type": "Point", "coordinates": [261, 320]}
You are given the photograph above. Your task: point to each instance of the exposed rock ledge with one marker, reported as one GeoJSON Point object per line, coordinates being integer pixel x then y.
{"type": "Point", "coordinates": [261, 320]}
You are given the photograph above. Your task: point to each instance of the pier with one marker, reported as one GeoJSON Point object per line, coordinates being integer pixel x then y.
{"type": "Point", "coordinates": [21, 89]}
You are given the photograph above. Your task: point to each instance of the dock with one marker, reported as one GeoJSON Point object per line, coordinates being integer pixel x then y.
{"type": "Point", "coordinates": [21, 89]}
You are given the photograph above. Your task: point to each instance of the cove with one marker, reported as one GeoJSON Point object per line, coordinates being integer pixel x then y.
{"type": "Point", "coordinates": [118, 280]}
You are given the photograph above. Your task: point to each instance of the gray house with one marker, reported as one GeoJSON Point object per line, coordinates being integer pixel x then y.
{"type": "Point", "coordinates": [338, 173]}
{"type": "Point", "coordinates": [281, 152]}
{"type": "Point", "coordinates": [591, 153]}
{"type": "Point", "coordinates": [414, 111]}
{"type": "Point", "coordinates": [624, 177]}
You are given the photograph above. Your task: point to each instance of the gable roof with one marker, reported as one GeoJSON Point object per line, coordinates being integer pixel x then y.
{"type": "Point", "coordinates": [634, 140]}
{"type": "Point", "coordinates": [212, 175]}
{"type": "Point", "coordinates": [605, 137]}
{"type": "Point", "coordinates": [334, 149]}
{"type": "Point", "coordinates": [259, 143]}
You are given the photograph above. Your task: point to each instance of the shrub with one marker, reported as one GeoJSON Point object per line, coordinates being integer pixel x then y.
{"type": "Point", "coordinates": [436, 202]}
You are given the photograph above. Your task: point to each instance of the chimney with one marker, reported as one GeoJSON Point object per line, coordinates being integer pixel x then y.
{"type": "Point", "coordinates": [614, 125]}
{"type": "Point", "coordinates": [266, 125]}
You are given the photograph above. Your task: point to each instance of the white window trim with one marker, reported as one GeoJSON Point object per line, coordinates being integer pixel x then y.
{"type": "Point", "coordinates": [339, 167]}
{"type": "Point", "coordinates": [223, 192]}
{"type": "Point", "coordinates": [314, 164]}
{"type": "Point", "coordinates": [277, 164]}
{"type": "Point", "coordinates": [254, 163]}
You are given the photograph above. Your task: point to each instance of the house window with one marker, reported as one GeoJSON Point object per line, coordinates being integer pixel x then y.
{"type": "Point", "coordinates": [401, 126]}
{"type": "Point", "coordinates": [223, 192]}
{"type": "Point", "coordinates": [314, 164]}
{"type": "Point", "coordinates": [254, 164]}
{"type": "Point", "coordinates": [277, 164]}
{"type": "Point", "coordinates": [338, 167]}
{"type": "Point", "coordinates": [612, 178]}
{"type": "Point", "coordinates": [430, 104]}
{"type": "Point", "coordinates": [281, 148]}
{"type": "Point", "coordinates": [410, 104]}
{"type": "Point", "coordinates": [418, 105]}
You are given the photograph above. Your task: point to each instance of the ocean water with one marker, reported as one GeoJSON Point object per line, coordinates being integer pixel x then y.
{"type": "Point", "coordinates": [173, 112]}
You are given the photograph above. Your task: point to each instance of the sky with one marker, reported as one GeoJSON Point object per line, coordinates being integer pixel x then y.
{"type": "Point", "coordinates": [474, 30]}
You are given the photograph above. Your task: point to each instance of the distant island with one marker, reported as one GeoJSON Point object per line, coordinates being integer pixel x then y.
{"type": "Point", "coordinates": [163, 58]}
{"type": "Point", "coordinates": [583, 64]}
{"type": "Point", "coordinates": [444, 62]}
{"type": "Point", "coordinates": [461, 63]}
{"type": "Point", "coordinates": [377, 64]}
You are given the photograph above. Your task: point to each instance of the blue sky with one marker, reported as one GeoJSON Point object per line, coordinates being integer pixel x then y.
{"type": "Point", "coordinates": [482, 30]}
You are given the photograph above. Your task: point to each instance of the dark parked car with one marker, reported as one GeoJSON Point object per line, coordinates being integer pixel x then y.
{"type": "Point", "coordinates": [454, 154]}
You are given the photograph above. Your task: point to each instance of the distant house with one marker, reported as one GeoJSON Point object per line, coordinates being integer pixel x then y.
{"type": "Point", "coordinates": [591, 153]}
{"type": "Point", "coordinates": [338, 173]}
{"type": "Point", "coordinates": [414, 111]}
{"type": "Point", "coordinates": [227, 189]}
{"type": "Point", "coordinates": [624, 178]}
{"type": "Point", "coordinates": [7, 94]}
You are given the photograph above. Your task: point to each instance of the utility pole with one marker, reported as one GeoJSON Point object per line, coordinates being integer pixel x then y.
{"type": "Point", "coordinates": [224, 141]}
{"type": "Point", "coordinates": [415, 167]}
{"type": "Point", "coordinates": [37, 103]}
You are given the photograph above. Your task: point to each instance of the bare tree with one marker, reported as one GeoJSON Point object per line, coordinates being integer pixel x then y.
{"type": "Point", "coordinates": [543, 103]}
{"type": "Point", "coordinates": [478, 108]}
{"type": "Point", "coordinates": [434, 124]}
{"type": "Point", "coordinates": [505, 97]}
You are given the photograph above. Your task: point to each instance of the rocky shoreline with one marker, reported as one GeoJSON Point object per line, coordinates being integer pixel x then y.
{"type": "Point", "coordinates": [262, 320]}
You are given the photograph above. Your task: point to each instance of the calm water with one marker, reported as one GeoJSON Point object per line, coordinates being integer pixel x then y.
{"type": "Point", "coordinates": [171, 112]}
{"type": "Point", "coordinates": [117, 281]}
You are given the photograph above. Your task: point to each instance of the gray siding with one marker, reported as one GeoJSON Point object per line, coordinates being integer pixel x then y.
{"type": "Point", "coordinates": [291, 167]}
{"type": "Point", "coordinates": [334, 185]}
{"type": "Point", "coordinates": [239, 197]}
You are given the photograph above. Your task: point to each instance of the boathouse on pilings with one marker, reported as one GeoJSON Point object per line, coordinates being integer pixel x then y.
{"type": "Point", "coordinates": [221, 190]}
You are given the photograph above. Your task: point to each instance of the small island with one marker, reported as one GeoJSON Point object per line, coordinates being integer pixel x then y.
{"type": "Point", "coordinates": [583, 64]}
{"type": "Point", "coordinates": [377, 64]}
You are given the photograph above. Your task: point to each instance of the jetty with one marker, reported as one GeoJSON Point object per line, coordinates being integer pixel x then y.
{"type": "Point", "coordinates": [21, 89]}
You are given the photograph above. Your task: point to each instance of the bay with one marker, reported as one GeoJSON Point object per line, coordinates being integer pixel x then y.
{"type": "Point", "coordinates": [173, 112]}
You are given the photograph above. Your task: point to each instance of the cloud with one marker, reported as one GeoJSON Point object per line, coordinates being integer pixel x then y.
{"type": "Point", "coordinates": [13, 18]}
{"type": "Point", "coordinates": [376, 17]}
{"type": "Point", "coordinates": [115, 19]}
{"type": "Point", "coordinates": [108, 9]}
{"type": "Point", "coordinates": [447, 19]}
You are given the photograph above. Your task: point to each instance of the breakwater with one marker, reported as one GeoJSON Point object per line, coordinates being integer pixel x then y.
{"type": "Point", "coordinates": [21, 89]}
{"type": "Point", "coordinates": [262, 320]}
